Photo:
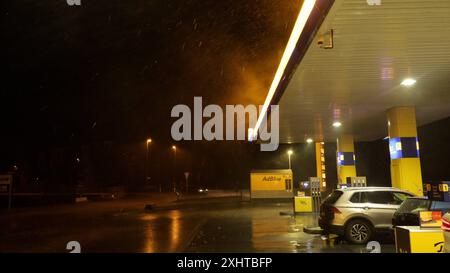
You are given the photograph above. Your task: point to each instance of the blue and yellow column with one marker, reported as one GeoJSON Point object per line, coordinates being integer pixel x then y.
{"type": "Point", "coordinates": [406, 172]}
{"type": "Point", "coordinates": [345, 158]}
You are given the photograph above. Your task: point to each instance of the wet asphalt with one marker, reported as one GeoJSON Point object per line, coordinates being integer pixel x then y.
{"type": "Point", "coordinates": [199, 224]}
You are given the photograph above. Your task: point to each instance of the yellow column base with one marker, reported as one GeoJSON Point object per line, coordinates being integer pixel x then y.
{"type": "Point", "coordinates": [406, 174]}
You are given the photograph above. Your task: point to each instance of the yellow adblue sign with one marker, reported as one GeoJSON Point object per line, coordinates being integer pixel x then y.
{"type": "Point", "coordinates": [267, 181]}
{"type": "Point", "coordinates": [271, 184]}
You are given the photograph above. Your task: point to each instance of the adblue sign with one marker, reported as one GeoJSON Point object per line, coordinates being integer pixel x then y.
{"type": "Point", "coordinates": [271, 183]}
{"type": "Point", "coordinates": [271, 178]}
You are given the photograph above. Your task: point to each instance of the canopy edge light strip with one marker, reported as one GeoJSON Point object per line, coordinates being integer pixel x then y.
{"type": "Point", "coordinates": [300, 23]}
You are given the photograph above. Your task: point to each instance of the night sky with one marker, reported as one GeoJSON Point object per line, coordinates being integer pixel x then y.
{"type": "Point", "coordinates": [113, 70]}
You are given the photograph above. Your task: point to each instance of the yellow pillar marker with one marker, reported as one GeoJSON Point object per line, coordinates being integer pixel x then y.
{"type": "Point", "coordinates": [345, 158]}
{"type": "Point", "coordinates": [406, 173]}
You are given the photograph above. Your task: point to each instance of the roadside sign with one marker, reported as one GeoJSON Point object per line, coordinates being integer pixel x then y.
{"type": "Point", "coordinates": [6, 187]}
{"type": "Point", "coordinates": [5, 179]}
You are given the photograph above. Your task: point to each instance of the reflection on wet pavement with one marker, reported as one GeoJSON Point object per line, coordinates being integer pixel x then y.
{"type": "Point", "coordinates": [227, 226]}
{"type": "Point", "coordinates": [260, 228]}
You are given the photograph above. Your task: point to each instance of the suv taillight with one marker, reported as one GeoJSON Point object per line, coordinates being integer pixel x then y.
{"type": "Point", "coordinates": [335, 210]}
{"type": "Point", "coordinates": [445, 225]}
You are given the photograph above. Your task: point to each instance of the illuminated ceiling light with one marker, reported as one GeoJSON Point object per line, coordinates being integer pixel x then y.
{"type": "Point", "coordinates": [408, 82]}
{"type": "Point", "coordinates": [337, 124]}
{"type": "Point", "coordinates": [303, 16]}
{"type": "Point", "coordinates": [290, 152]}
{"type": "Point", "coordinates": [149, 140]}
{"type": "Point", "coordinates": [309, 140]}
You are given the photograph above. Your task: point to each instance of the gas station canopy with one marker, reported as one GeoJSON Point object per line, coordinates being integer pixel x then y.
{"type": "Point", "coordinates": [382, 56]}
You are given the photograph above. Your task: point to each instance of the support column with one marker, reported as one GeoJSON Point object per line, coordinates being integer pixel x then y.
{"type": "Point", "coordinates": [345, 158]}
{"type": "Point", "coordinates": [320, 165]}
{"type": "Point", "coordinates": [406, 173]}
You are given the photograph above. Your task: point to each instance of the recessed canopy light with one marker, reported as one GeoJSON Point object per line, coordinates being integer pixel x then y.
{"type": "Point", "coordinates": [309, 140]}
{"type": "Point", "coordinates": [408, 82]}
{"type": "Point", "coordinates": [337, 124]}
{"type": "Point", "coordinates": [290, 152]}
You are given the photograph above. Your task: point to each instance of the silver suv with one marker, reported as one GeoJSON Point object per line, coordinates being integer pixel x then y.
{"type": "Point", "coordinates": [357, 213]}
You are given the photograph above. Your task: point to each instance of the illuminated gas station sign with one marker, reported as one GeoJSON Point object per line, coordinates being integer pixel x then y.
{"type": "Point", "coordinates": [403, 147]}
{"type": "Point", "coordinates": [346, 159]}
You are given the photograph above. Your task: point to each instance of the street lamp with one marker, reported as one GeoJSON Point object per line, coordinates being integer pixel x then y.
{"type": "Point", "coordinates": [148, 142]}
{"type": "Point", "coordinates": [174, 148]}
{"type": "Point", "coordinates": [290, 152]}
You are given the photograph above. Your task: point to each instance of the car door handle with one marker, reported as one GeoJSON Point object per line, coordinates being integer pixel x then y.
{"type": "Point", "coordinates": [366, 208]}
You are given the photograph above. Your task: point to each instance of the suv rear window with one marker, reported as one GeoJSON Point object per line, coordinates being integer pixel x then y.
{"type": "Point", "coordinates": [356, 198]}
{"type": "Point", "coordinates": [333, 197]}
{"type": "Point", "coordinates": [394, 198]}
{"type": "Point", "coordinates": [382, 197]}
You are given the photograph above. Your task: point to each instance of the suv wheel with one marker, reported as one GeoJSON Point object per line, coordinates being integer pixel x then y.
{"type": "Point", "coordinates": [358, 231]}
